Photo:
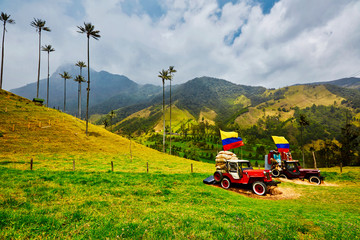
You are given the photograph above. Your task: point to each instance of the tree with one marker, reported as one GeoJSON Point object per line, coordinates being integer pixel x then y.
{"type": "Point", "coordinates": [5, 19]}
{"type": "Point", "coordinates": [350, 138]}
{"type": "Point", "coordinates": [48, 49]}
{"type": "Point", "coordinates": [79, 79]}
{"type": "Point", "coordinates": [40, 26]}
{"type": "Point", "coordinates": [303, 121]}
{"type": "Point", "coordinates": [171, 71]}
{"type": "Point", "coordinates": [164, 75]}
{"type": "Point", "coordinates": [111, 115]}
{"type": "Point", "coordinates": [81, 65]}
{"type": "Point", "coordinates": [90, 31]}
{"type": "Point", "coordinates": [65, 76]}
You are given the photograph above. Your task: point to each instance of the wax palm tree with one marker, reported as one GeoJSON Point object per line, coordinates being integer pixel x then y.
{"type": "Point", "coordinates": [65, 76]}
{"type": "Point", "coordinates": [79, 79]}
{"type": "Point", "coordinates": [5, 19]}
{"type": "Point", "coordinates": [48, 49]}
{"type": "Point", "coordinates": [303, 121]}
{"type": "Point", "coordinates": [171, 71]}
{"type": "Point", "coordinates": [40, 26]}
{"type": "Point", "coordinates": [164, 75]}
{"type": "Point", "coordinates": [81, 65]}
{"type": "Point", "coordinates": [111, 115]}
{"type": "Point", "coordinates": [90, 31]}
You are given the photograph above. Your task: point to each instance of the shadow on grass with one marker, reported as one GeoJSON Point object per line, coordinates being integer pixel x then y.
{"type": "Point", "coordinates": [95, 134]}
{"type": "Point", "coordinates": [10, 162]}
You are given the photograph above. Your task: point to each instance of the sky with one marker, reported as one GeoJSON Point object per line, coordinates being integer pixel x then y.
{"type": "Point", "coordinates": [270, 43]}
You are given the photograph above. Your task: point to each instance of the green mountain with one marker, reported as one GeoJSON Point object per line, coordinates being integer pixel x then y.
{"type": "Point", "coordinates": [220, 102]}
{"type": "Point", "coordinates": [107, 91]}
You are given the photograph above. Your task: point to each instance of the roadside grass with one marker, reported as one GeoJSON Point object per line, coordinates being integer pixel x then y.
{"type": "Point", "coordinates": [58, 204]}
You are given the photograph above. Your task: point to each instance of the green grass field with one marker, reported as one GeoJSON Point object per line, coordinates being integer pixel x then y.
{"type": "Point", "coordinates": [169, 202]}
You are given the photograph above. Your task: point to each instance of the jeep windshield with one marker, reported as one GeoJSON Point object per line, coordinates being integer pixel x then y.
{"type": "Point", "coordinates": [245, 165]}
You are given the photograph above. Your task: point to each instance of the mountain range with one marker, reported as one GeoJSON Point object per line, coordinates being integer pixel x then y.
{"type": "Point", "coordinates": [107, 91]}
{"type": "Point", "coordinates": [201, 99]}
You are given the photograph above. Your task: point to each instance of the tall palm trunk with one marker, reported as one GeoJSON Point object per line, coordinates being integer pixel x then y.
{"type": "Point", "coordinates": [48, 81]}
{"type": "Point", "coordinates": [2, 57]}
{"type": "Point", "coordinates": [79, 98]}
{"type": "Point", "coordinates": [64, 95]}
{"type": "Point", "coordinates": [164, 114]}
{"type": "Point", "coordinates": [38, 79]}
{"type": "Point", "coordinates": [170, 117]}
{"type": "Point", "coordinates": [88, 88]}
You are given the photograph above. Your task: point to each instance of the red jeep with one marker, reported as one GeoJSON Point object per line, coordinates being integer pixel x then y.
{"type": "Point", "coordinates": [241, 172]}
{"type": "Point", "coordinates": [292, 169]}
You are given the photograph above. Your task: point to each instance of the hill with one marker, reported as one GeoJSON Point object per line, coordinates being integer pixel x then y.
{"type": "Point", "coordinates": [54, 139]}
{"type": "Point", "coordinates": [201, 99]}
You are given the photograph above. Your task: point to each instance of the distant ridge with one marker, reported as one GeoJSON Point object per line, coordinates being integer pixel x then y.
{"type": "Point", "coordinates": [351, 82]}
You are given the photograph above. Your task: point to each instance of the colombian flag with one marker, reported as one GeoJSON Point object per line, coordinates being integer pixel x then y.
{"type": "Point", "coordinates": [281, 143]}
{"type": "Point", "coordinates": [230, 140]}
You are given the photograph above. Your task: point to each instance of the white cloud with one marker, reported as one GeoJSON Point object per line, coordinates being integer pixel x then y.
{"type": "Point", "coordinates": [298, 41]}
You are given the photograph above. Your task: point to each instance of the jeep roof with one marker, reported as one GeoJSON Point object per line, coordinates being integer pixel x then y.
{"type": "Point", "coordinates": [238, 161]}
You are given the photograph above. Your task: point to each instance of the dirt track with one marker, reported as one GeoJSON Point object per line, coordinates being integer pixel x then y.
{"type": "Point", "coordinates": [275, 193]}
{"type": "Point", "coordinates": [278, 193]}
{"type": "Point", "coordinates": [305, 182]}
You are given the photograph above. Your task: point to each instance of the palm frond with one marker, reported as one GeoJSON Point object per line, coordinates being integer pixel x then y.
{"type": "Point", "coordinates": [65, 75]}
{"type": "Point", "coordinates": [6, 18]}
{"type": "Point", "coordinates": [79, 79]}
{"type": "Point", "coordinates": [88, 28]}
{"type": "Point", "coordinates": [80, 64]}
{"type": "Point", "coordinates": [47, 48]}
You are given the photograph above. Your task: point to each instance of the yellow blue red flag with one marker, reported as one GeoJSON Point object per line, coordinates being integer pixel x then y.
{"type": "Point", "coordinates": [281, 143]}
{"type": "Point", "coordinates": [231, 140]}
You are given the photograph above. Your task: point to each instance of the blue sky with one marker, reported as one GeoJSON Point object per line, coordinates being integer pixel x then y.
{"type": "Point", "coordinates": [251, 42]}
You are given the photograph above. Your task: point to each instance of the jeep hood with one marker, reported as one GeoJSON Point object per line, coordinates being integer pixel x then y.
{"type": "Point", "coordinates": [255, 173]}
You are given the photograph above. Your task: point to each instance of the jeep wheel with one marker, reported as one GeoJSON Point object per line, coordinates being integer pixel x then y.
{"type": "Point", "coordinates": [275, 173]}
{"type": "Point", "coordinates": [225, 183]}
{"type": "Point", "coordinates": [259, 188]}
{"type": "Point", "coordinates": [283, 176]}
{"type": "Point", "coordinates": [315, 179]}
{"type": "Point", "coordinates": [218, 176]}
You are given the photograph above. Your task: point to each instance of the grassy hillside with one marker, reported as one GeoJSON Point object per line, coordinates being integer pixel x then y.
{"type": "Point", "coordinates": [301, 96]}
{"type": "Point", "coordinates": [55, 139]}
{"type": "Point", "coordinates": [169, 202]}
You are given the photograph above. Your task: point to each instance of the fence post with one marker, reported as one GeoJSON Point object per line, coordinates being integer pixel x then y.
{"type": "Point", "coordinates": [74, 165]}
{"type": "Point", "coordinates": [31, 164]}
{"type": "Point", "coordinates": [112, 166]}
{"type": "Point", "coordinates": [147, 167]}
{"type": "Point", "coordinates": [341, 167]}
{"type": "Point", "coordinates": [13, 128]}
{"type": "Point", "coordinates": [192, 168]}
